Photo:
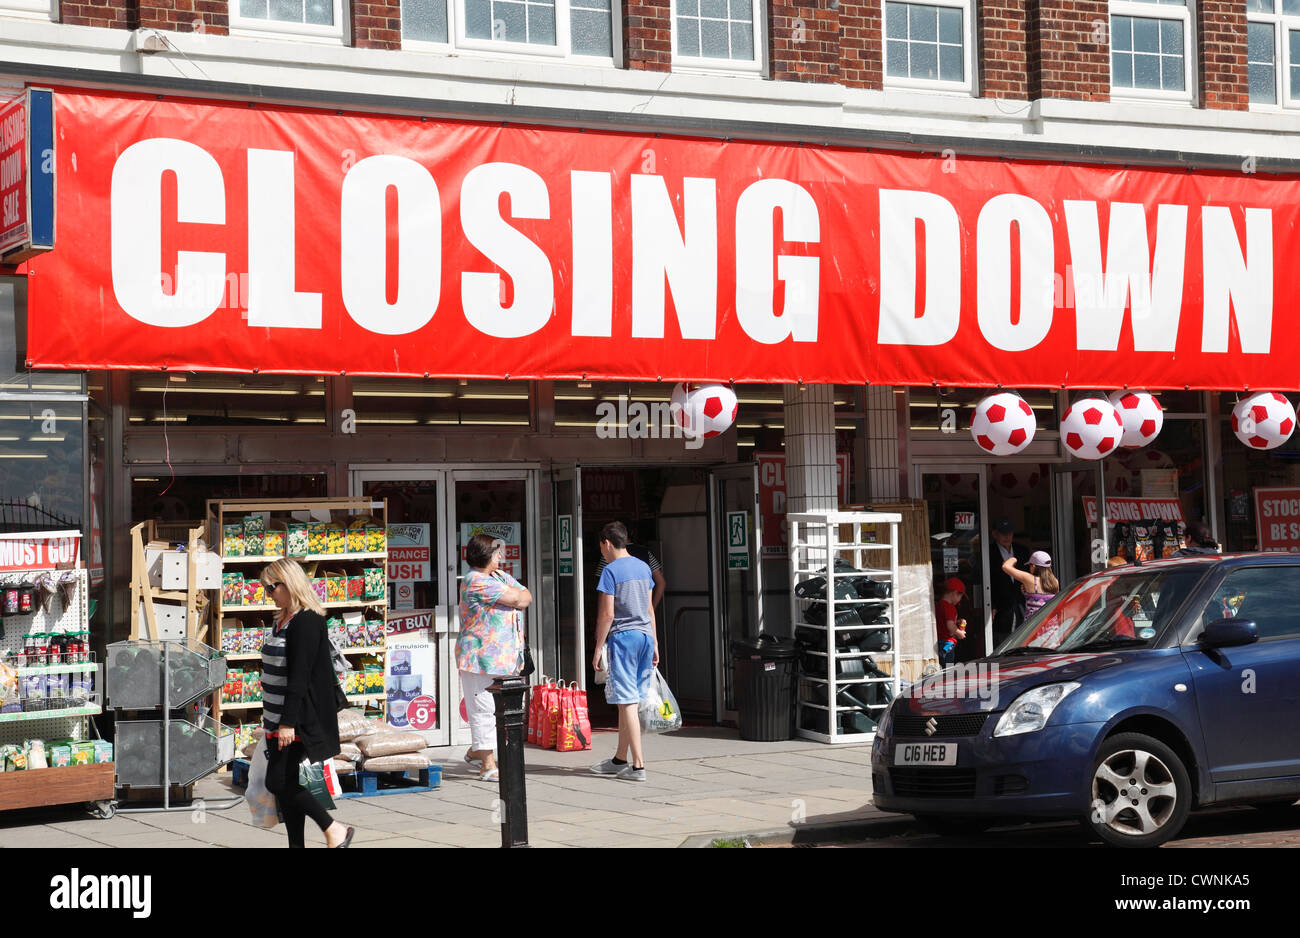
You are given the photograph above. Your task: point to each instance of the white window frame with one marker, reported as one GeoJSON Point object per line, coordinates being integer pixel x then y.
{"type": "Point", "coordinates": [703, 64]}
{"type": "Point", "coordinates": [1281, 23]}
{"type": "Point", "coordinates": [1138, 9]}
{"type": "Point", "coordinates": [250, 27]}
{"type": "Point", "coordinates": [967, 85]}
{"type": "Point", "coordinates": [457, 41]}
{"type": "Point", "coordinates": [30, 9]}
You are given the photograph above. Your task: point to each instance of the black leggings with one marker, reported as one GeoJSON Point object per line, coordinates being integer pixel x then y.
{"type": "Point", "coordinates": [295, 802]}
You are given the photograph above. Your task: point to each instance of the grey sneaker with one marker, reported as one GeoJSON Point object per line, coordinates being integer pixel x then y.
{"type": "Point", "coordinates": [629, 774]}
{"type": "Point", "coordinates": [608, 767]}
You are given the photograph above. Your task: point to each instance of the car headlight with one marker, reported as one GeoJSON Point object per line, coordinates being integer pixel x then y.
{"type": "Point", "coordinates": [886, 721]}
{"type": "Point", "coordinates": [1030, 711]}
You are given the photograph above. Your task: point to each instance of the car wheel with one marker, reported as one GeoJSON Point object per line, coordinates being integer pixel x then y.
{"type": "Point", "coordinates": [953, 826]}
{"type": "Point", "coordinates": [1140, 794]}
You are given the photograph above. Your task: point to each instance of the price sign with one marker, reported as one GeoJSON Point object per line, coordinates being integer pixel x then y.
{"type": "Point", "coordinates": [422, 713]}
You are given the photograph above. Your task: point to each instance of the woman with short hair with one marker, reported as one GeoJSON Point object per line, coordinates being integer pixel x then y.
{"type": "Point", "coordinates": [491, 643]}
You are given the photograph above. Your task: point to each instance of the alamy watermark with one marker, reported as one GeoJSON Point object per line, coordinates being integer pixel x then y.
{"type": "Point", "coordinates": [642, 420]}
{"type": "Point", "coordinates": [971, 681]}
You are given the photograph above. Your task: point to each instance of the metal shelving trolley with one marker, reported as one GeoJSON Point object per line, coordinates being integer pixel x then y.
{"type": "Point", "coordinates": [844, 604]}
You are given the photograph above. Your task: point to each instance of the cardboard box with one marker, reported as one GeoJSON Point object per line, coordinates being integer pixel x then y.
{"type": "Point", "coordinates": [170, 618]}
{"type": "Point", "coordinates": [175, 570]}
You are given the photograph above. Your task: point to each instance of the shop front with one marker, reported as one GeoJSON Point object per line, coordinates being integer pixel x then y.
{"type": "Point", "coordinates": [478, 324]}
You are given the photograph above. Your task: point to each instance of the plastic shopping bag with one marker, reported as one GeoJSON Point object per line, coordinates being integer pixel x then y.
{"type": "Point", "coordinates": [260, 801]}
{"type": "Point", "coordinates": [535, 711]}
{"type": "Point", "coordinates": [602, 665]}
{"type": "Point", "coordinates": [658, 710]}
{"type": "Point", "coordinates": [574, 732]}
{"type": "Point", "coordinates": [550, 716]}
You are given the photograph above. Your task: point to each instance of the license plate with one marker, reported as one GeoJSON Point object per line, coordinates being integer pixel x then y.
{"type": "Point", "coordinates": [925, 754]}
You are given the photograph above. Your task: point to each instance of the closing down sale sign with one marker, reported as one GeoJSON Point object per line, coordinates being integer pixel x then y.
{"type": "Point", "coordinates": [219, 236]}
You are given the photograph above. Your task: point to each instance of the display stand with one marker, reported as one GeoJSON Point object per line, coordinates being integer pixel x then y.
{"type": "Point", "coordinates": [351, 563]}
{"type": "Point", "coordinates": [144, 592]}
{"type": "Point", "coordinates": [844, 603]}
{"type": "Point", "coordinates": [53, 718]}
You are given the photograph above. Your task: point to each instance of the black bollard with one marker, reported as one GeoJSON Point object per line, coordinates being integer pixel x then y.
{"type": "Point", "coordinates": [511, 727]}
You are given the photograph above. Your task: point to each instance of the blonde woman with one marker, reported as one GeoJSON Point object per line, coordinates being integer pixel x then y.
{"type": "Point", "coordinates": [1038, 582]}
{"type": "Point", "coordinates": [298, 701]}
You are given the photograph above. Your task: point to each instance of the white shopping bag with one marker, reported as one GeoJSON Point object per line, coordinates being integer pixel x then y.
{"type": "Point", "coordinates": [260, 801]}
{"type": "Point", "coordinates": [602, 664]}
{"type": "Point", "coordinates": [658, 711]}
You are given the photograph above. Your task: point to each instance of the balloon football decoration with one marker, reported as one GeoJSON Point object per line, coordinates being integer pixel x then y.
{"type": "Point", "coordinates": [1091, 428]}
{"type": "Point", "coordinates": [1003, 424]}
{"type": "Point", "coordinates": [1263, 421]}
{"type": "Point", "coordinates": [704, 410]}
{"type": "Point", "coordinates": [1141, 414]}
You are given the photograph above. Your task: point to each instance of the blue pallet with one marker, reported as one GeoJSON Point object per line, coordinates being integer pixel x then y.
{"type": "Point", "coordinates": [364, 783]}
{"type": "Point", "coordinates": [398, 783]}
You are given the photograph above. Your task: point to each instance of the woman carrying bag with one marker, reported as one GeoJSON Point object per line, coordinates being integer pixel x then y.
{"type": "Point", "coordinates": [491, 644]}
{"type": "Point", "coordinates": [299, 702]}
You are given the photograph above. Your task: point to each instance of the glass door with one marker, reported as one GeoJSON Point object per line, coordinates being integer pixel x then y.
{"type": "Point", "coordinates": [418, 585]}
{"type": "Point", "coordinates": [569, 661]}
{"type": "Point", "coordinates": [956, 499]}
{"type": "Point", "coordinates": [735, 539]}
{"type": "Point", "coordinates": [497, 503]}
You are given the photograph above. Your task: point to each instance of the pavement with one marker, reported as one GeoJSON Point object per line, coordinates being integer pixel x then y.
{"type": "Point", "coordinates": [702, 784]}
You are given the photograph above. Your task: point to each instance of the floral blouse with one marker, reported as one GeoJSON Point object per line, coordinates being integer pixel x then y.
{"type": "Point", "coordinates": [490, 640]}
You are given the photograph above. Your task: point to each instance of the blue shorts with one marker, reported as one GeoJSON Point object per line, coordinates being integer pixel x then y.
{"type": "Point", "coordinates": [631, 662]}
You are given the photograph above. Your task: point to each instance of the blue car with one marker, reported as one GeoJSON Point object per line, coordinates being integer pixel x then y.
{"type": "Point", "coordinates": [1134, 696]}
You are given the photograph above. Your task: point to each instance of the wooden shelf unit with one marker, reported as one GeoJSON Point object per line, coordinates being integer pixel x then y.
{"type": "Point", "coordinates": [342, 511]}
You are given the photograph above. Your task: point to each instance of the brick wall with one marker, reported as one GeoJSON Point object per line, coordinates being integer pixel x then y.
{"type": "Point", "coordinates": [377, 24]}
{"type": "Point", "coordinates": [185, 16]}
{"type": "Point", "coordinates": [803, 42]}
{"type": "Point", "coordinates": [1068, 49]}
{"type": "Point", "coordinates": [1003, 49]}
{"type": "Point", "coordinates": [1221, 55]}
{"type": "Point", "coordinates": [647, 35]}
{"type": "Point", "coordinates": [108, 14]}
{"type": "Point", "coordinates": [861, 44]}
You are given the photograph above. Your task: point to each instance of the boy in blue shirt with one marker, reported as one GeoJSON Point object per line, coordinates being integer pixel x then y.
{"type": "Point", "coordinates": [625, 630]}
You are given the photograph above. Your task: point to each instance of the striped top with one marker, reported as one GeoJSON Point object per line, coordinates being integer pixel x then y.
{"type": "Point", "coordinates": [275, 675]}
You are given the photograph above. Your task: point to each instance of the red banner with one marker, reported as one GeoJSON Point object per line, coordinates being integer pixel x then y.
{"type": "Point", "coordinates": [14, 229]}
{"type": "Point", "coordinates": [771, 498]}
{"type": "Point", "coordinates": [222, 236]}
{"type": "Point", "coordinates": [1277, 518]}
{"type": "Point", "coordinates": [40, 551]}
{"type": "Point", "coordinates": [1133, 509]}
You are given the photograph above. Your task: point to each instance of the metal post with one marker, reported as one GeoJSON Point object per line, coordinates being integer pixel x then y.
{"type": "Point", "coordinates": [511, 715]}
{"type": "Point", "coordinates": [166, 724]}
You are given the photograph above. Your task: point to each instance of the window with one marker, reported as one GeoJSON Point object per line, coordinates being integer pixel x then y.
{"type": "Point", "coordinates": [579, 28]}
{"type": "Point", "coordinates": [926, 43]}
{"type": "Point", "coordinates": [1273, 51]}
{"type": "Point", "coordinates": [29, 9]}
{"type": "Point", "coordinates": [718, 34]}
{"type": "Point", "coordinates": [1264, 595]}
{"type": "Point", "coordinates": [289, 19]}
{"type": "Point", "coordinates": [1149, 43]}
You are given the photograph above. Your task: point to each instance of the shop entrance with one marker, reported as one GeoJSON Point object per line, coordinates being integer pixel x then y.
{"type": "Point", "coordinates": [966, 501]}
{"type": "Point", "coordinates": [432, 514]}
{"type": "Point", "coordinates": [703, 529]}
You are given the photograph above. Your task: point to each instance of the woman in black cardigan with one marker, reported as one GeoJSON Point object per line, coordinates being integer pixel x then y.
{"type": "Point", "coordinates": [298, 701]}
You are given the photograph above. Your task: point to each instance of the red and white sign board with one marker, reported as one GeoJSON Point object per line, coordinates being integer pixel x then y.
{"type": "Point", "coordinates": [771, 498]}
{"type": "Point", "coordinates": [1277, 518]}
{"type": "Point", "coordinates": [43, 551]}
{"type": "Point", "coordinates": [222, 236]}
{"type": "Point", "coordinates": [1134, 509]}
{"type": "Point", "coordinates": [14, 227]}
{"type": "Point", "coordinates": [416, 620]}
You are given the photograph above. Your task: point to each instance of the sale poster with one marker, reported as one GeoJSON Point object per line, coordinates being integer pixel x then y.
{"type": "Point", "coordinates": [411, 685]}
{"type": "Point", "coordinates": [1277, 518]}
{"type": "Point", "coordinates": [409, 561]}
{"type": "Point", "coordinates": [510, 533]}
{"type": "Point", "coordinates": [771, 498]}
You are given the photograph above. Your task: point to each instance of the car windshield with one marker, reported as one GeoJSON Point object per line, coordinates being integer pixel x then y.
{"type": "Point", "coordinates": [1125, 611]}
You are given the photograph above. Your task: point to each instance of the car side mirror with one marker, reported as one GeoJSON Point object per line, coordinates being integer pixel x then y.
{"type": "Point", "coordinates": [1226, 633]}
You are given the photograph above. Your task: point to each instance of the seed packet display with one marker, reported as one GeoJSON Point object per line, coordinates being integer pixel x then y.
{"type": "Point", "coordinates": [232, 540]}
{"type": "Point", "coordinates": [336, 588]}
{"type": "Point", "coordinates": [376, 539]}
{"type": "Point", "coordinates": [356, 538]}
{"type": "Point", "coordinates": [296, 539]}
{"type": "Point", "coordinates": [231, 640]}
{"type": "Point", "coordinates": [375, 631]}
{"type": "Point", "coordinates": [232, 588]}
{"type": "Point", "coordinates": [356, 635]}
{"type": "Point", "coordinates": [336, 541]}
{"type": "Point", "coordinates": [60, 756]}
{"type": "Point", "coordinates": [254, 593]}
{"type": "Point", "coordinates": [356, 589]}
{"type": "Point", "coordinates": [375, 583]}
{"type": "Point", "coordinates": [103, 751]}
{"type": "Point", "coordinates": [318, 537]}
{"type": "Point", "coordinates": [320, 586]}
{"type": "Point", "coordinates": [273, 543]}
{"type": "Point", "coordinates": [83, 753]}
{"type": "Point", "coordinates": [254, 536]}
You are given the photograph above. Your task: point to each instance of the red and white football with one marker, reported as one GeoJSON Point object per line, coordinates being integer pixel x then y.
{"type": "Point", "coordinates": [1263, 421]}
{"type": "Point", "coordinates": [1091, 428]}
{"type": "Point", "coordinates": [1141, 414]}
{"type": "Point", "coordinates": [704, 410]}
{"type": "Point", "coordinates": [1003, 424]}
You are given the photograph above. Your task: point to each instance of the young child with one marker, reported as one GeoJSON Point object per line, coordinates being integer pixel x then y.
{"type": "Point", "coordinates": [951, 627]}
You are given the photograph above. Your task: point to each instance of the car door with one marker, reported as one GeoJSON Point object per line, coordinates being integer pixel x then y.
{"type": "Point", "coordinates": [1249, 696]}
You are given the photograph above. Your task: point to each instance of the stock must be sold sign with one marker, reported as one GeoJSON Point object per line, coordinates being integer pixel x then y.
{"type": "Point", "coordinates": [1277, 518]}
{"type": "Point", "coordinates": [218, 235]}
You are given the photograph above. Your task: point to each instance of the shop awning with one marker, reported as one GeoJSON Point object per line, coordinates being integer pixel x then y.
{"type": "Point", "coordinates": [219, 236]}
